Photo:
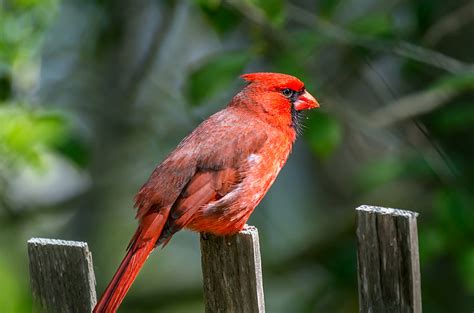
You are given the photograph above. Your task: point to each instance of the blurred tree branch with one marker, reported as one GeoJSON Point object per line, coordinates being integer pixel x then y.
{"type": "Point", "coordinates": [450, 23]}
{"type": "Point", "coordinates": [144, 67]}
{"type": "Point", "coordinates": [127, 64]}
{"type": "Point", "coordinates": [411, 106]}
{"type": "Point", "coordinates": [341, 35]}
{"type": "Point", "coordinates": [125, 50]}
{"type": "Point", "coordinates": [256, 16]}
{"type": "Point", "coordinates": [400, 48]}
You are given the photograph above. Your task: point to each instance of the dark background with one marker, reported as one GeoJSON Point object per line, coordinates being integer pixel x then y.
{"type": "Point", "coordinates": [93, 94]}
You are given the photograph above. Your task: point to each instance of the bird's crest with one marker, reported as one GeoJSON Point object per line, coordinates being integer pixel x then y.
{"type": "Point", "coordinates": [274, 79]}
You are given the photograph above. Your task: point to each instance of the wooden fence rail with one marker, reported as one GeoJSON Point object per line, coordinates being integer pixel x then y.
{"type": "Point", "coordinates": [62, 277]}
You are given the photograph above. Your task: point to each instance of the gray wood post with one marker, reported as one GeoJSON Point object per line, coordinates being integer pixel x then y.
{"type": "Point", "coordinates": [388, 261]}
{"type": "Point", "coordinates": [232, 273]}
{"type": "Point", "coordinates": [62, 275]}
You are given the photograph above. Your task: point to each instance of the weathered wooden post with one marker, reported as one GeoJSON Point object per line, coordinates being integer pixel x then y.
{"type": "Point", "coordinates": [388, 261]}
{"type": "Point", "coordinates": [62, 276]}
{"type": "Point", "coordinates": [232, 273]}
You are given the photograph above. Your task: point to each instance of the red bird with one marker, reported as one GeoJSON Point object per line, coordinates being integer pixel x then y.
{"type": "Point", "coordinates": [218, 174]}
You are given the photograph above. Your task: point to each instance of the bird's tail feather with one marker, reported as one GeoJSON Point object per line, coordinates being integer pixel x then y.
{"type": "Point", "coordinates": [139, 249]}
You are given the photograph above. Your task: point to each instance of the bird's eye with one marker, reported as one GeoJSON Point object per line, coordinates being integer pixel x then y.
{"type": "Point", "coordinates": [287, 92]}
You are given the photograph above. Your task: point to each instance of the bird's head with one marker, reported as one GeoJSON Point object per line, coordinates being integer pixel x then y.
{"type": "Point", "coordinates": [280, 97]}
{"type": "Point", "coordinates": [283, 88]}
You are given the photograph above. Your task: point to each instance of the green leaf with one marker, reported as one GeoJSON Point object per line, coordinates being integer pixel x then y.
{"type": "Point", "coordinates": [376, 25]}
{"type": "Point", "coordinates": [222, 18]}
{"type": "Point", "coordinates": [25, 135]}
{"type": "Point", "coordinates": [214, 75]}
{"type": "Point", "coordinates": [467, 268]}
{"type": "Point", "coordinates": [455, 118]}
{"type": "Point", "coordinates": [463, 81]}
{"type": "Point", "coordinates": [326, 8]}
{"type": "Point", "coordinates": [22, 26]}
{"type": "Point", "coordinates": [324, 133]}
{"type": "Point", "coordinates": [74, 149]}
{"type": "Point", "coordinates": [274, 10]}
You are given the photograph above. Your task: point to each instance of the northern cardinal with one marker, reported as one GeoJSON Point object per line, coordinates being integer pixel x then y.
{"type": "Point", "coordinates": [218, 174]}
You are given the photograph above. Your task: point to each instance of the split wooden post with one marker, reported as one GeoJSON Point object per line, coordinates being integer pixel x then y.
{"type": "Point", "coordinates": [62, 275]}
{"type": "Point", "coordinates": [388, 260]}
{"type": "Point", "coordinates": [232, 273]}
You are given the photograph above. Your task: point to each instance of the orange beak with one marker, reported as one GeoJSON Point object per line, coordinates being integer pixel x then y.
{"type": "Point", "coordinates": [306, 101]}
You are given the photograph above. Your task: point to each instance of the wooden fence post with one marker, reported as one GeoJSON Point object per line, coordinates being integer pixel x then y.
{"type": "Point", "coordinates": [388, 261]}
{"type": "Point", "coordinates": [62, 275]}
{"type": "Point", "coordinates": [232, 273]}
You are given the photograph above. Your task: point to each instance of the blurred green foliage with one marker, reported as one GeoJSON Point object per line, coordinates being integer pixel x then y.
{"type": "Point", "coordinates": [396, 128]}
{"type": "Point", "coordinates": [214, 74]}
{"type": "Point", "coordinates": [27, 131]}
{"type": "Point", "coordinates": [25, 135]}
{"type": "Point", "coordinates": [15, 292]}
{"type": "Point", "coordinates": [324, 134]}
{"type": "Point", "coordinates": [22, 28]}
{"type": "Point", "coordinates": [459, 118]}
{"type": "Point", "coordinates": [272, 9]}
{"type": "Point", "coordinates": [376, 25]}
{"type": "Point", "coordinates": [222, 19]}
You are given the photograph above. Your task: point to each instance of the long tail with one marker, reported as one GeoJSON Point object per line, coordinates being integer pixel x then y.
{"type": "Point", "coordinates": [139, 249]}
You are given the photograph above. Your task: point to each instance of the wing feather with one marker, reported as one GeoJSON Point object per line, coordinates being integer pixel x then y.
{"type": "Point", "coordinates": [205, 166]}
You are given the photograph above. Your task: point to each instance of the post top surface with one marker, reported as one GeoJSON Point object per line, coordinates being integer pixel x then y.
{"type": "Point", "coordinates": [249, 230]}
{"type": "Point", "coordinates": [386, 211]}
{"type": "Point", "coordinates": [57, 242]}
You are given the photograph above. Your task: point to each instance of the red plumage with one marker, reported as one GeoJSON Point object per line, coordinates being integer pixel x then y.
{"type": "Point", "coordinates": [218, 174]}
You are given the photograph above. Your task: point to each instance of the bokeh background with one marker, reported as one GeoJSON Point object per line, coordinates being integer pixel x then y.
{"type": "Point", "coordinates": [93, 94]}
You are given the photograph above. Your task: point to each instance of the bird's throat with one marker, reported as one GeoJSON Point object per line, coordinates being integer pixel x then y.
{"type": "Point", "coordinates": [296, 120]}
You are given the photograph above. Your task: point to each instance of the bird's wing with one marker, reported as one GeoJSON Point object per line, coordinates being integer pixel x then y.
{"type": "Point", "coordinates": [189, 181]}
{"type": "Point", "coordinates": [218, 172]}
{"type": "Point", "coordinates": [205, 186]}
